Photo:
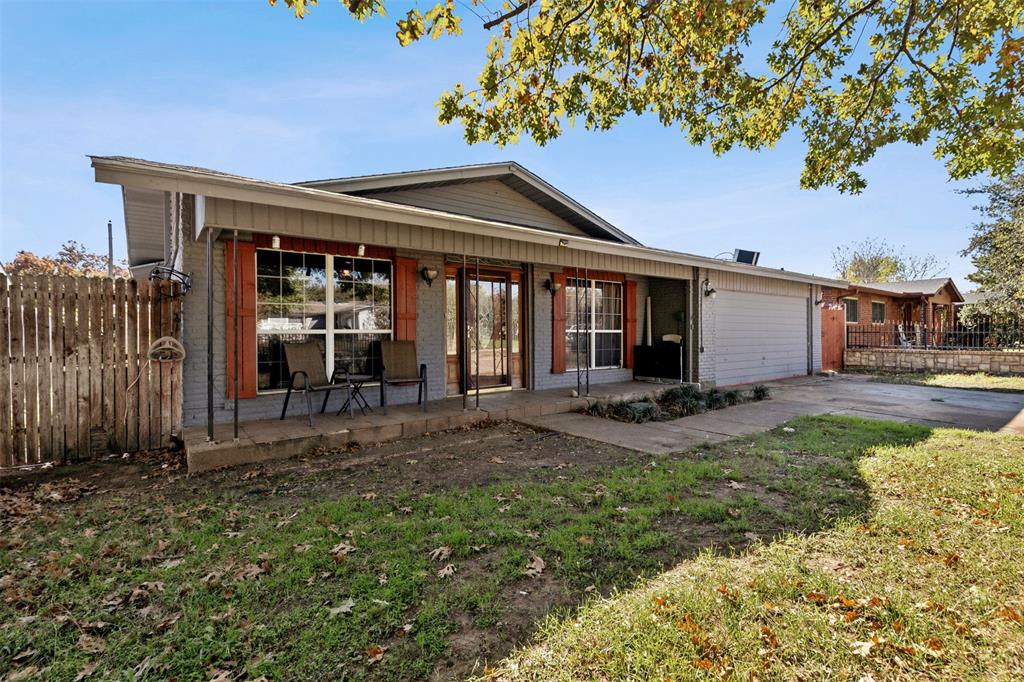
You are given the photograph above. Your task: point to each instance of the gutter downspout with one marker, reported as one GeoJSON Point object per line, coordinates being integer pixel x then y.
{"type": "Point", "coordinates": [810, 329]}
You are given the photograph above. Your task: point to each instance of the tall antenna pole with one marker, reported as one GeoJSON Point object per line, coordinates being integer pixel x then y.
{"type": "Point", "coordinates": [110, 249]}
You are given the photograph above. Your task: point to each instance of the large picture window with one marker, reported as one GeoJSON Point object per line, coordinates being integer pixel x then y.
{"type": "Point", "coordinates": [593, 324]}
{"type": "Point", "coordinates": [342, 303]}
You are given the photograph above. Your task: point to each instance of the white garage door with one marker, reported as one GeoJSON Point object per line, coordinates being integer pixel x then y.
{"type": "Point", "coordinates": [759, 337]}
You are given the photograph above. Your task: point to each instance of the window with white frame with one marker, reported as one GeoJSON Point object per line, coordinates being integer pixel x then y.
{"type": "Point", "coordinates": [852, 306]}
{"type": "Point", "coordinates": [344, 313]}
{"type": "Point", "coordinates": [593, 324]}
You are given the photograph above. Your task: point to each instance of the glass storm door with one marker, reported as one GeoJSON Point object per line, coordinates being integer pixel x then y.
{"type": "Point", "coordinates": [487, 331]}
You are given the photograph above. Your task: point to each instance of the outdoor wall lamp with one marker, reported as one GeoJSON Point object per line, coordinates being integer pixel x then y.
{"type": "Point", "coordinates": [361, 250]}
{"type": "Point", "coordinates": [275, 242]}
{"type": "Point", "coordinates": [553, 287]}
{"type": "Point", "coordinates": [709, 291]}
{"type": "Point", "coordinates": [817, 303]}
{"type": "Point", "coordinates": [429, 275]}
{"type": "Point", "coordinates": [563, 242]}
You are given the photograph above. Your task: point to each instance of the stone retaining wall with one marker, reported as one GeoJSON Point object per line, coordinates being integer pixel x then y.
{"type": "Point", "coordinates": [919, 360]}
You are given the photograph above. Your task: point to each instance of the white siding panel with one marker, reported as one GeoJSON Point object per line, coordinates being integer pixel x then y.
{"type": "Point", "coordinates": [488, 199]}
{"type": "Point", "coordinates": [222, 214]}
{"type": "Point", "coordinates": [759, 337]}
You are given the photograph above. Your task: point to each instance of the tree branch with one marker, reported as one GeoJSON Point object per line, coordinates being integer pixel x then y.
{"type": "Point", "coordinates": [515, 11]}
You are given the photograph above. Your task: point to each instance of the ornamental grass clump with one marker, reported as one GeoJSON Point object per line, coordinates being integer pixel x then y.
{"type": "Point", "coordinates": [674, 403]}
{"type": "Point", "coordinates": [714, 399]}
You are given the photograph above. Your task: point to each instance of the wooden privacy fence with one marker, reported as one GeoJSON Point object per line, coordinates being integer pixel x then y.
{"type": "Point", "coordinates": [75, 375]}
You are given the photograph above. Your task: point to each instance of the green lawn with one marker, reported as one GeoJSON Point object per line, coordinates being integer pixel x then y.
{"type": "Point", "coordinates": [410, 569]}
{"type": "Point", "coordinates": [978, 380]}
{"type": "Point", "coordinates": [929, 586]}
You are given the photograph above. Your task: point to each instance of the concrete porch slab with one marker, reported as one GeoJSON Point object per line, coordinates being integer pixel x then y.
{"type": "Point", "coordinates": [264, 439]}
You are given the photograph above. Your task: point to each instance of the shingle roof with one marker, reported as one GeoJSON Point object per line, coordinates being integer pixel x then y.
{"type": "Point", "coordinates": [912, 286]}
{"type": "Point", "coordinates": [517, 177]}
{"type": "Point", "coordinates": [975, 296]}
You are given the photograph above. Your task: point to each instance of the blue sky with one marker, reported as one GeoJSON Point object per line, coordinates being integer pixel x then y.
{"type": "Point", "coordinates": [242, 87]}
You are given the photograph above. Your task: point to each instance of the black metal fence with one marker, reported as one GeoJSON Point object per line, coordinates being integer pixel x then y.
{"type": "Point", "coordinates": [981, 336]}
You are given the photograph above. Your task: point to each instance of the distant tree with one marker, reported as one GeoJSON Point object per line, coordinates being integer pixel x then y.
{"type": "Point", "coordinates": [72, 259]}
{"type": "Point", "coordinates": [875, 260]}
{"type": "Point", "coordinates": [847, 76]}
{"type": "Point", "coordinates": [997, 248]}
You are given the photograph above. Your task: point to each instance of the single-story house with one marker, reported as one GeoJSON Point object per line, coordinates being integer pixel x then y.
{"type": "Point", "coordinates": [913, 302]}
{"type": "Point", "coordinates": [443, 257]}
{"type": "Point", "coordinates": [970, 298]}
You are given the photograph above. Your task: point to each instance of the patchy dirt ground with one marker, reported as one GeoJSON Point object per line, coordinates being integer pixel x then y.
{"type": "Point", "coordinates": [497, 495]}
{"type": "Point", "coordinates": [475, 455]}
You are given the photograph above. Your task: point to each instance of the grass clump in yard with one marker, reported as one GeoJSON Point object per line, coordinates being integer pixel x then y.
{"type": "Point", "coordinates": [978, 380]}
{"type": "Point", "coordinates": [674, 403]}
{"type": "Point", "coordinates": [422, 565]}
{"type": "Point", "coordinates": [927, 586]}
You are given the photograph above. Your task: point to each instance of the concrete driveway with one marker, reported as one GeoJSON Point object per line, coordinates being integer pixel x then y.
{"type": "Point", "coordinates": [851, 395]}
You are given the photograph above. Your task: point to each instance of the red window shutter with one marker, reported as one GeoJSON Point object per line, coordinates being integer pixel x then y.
{"type": "Point", "coordinates": [558, 325]}
{"type": "Point", "coordinates": [246, 319]}
{"type": "Point", "coordinates": [405, 299]}
{"type": "Point", "coordinates": [629, 313]}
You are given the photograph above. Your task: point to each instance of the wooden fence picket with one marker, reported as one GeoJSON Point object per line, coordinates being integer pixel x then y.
{"type": "Point", "coordinates": [6, 425]}
{"type": "Point", "coordinates": [17, 369]}
{"type": "Point", "coordinates": [75, 378]}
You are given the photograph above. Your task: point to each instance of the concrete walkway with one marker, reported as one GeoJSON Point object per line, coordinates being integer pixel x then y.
{"type": "Point", "coordinates": [845, 395]}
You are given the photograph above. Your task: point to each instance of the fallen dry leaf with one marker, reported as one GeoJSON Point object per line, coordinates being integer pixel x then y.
{"type": "Point", "coordinates": [1009, 613]}
{"type": "Point", "coordinates": [250, 571]}
{"type": "Point", "coordinates": [91, 644]}
{"type": "Point", "coordinates": [375, 653]}
{"type": "Point", "coordinates": [534, 567]}
{"type": "Point", "coordinates": [447, 571]}
{"type": "Point", "coordinates": [342, 608]}
{"type": "Point", "coordinates": [86, 670]}
{"type": "Point", "coordinates": [441, 553]}
{"type": "Point", "coordinates": [342, 548]}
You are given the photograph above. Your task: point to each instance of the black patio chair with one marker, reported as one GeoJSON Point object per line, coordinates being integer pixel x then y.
{"type": "Point", "coordinates": [307, 374]}
{"type": "Point", "coordinates": [398, 368]}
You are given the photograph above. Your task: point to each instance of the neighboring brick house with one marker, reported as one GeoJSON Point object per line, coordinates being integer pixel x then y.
{"type": "Point", "coordinates": [923, 301]}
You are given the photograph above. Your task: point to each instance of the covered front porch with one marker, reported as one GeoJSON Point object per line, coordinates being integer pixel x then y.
{"type": "Point", "coordinates": [265, 439]}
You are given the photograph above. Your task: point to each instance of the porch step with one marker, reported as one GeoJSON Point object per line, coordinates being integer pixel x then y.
{"type": "Point", "coordinates": [269, 439]}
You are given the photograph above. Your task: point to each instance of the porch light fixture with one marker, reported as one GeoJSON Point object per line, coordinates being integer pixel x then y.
{"type": "Point", "coordinates": [817, 303]}
{"type": "Point", "coordinates": [275, 242]}
{"type": "Point", "coordinates": [361, 250]}
{"type": "Point", "coordinates": [429, 275]}
{"type": "Point", "coordinates": [709, 291]}
{"type": "Point", "coordinates": [563, 242]}
{"type": "Point", "coordinates": [553, 287]}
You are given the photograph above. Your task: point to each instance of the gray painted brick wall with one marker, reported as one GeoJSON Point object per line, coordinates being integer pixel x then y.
{"type": "Point", "coordinates": [543, 378]}
{"type": "Point", "coordinates": [430, 304]}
